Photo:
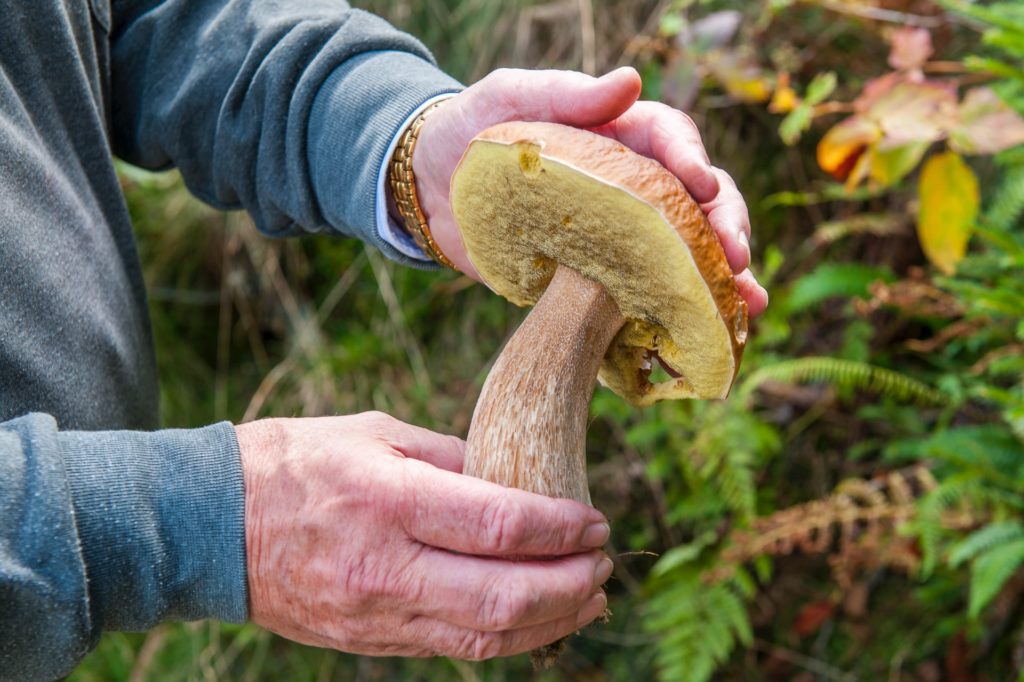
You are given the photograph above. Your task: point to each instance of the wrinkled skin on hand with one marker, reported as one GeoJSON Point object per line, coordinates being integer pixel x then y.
{"type": "Point", "coordinates": [362, 536]}
{"type": "Point", "coordinates": [607, 105]}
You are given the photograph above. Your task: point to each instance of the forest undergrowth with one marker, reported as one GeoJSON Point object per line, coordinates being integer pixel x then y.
{"type": "Point", "coordinates": [855, 509]}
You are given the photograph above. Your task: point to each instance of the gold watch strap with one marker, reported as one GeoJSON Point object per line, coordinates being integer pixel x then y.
{"type": "Point", "coordinates": [403, 187]}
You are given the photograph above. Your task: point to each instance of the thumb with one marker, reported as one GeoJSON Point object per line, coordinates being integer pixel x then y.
{"type": "Point", "coordinates": [566, 97]}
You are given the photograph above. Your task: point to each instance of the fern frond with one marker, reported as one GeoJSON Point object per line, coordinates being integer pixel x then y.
{"type": "Point", "coordinates": [845, 375]}
{"type": "Point", "coordinates": [697, 625]}
{"type": "Point", "coordinates": [722, 457]}
{"type": "Point", "coordinates": [990, 571]}
{"type": "Point", "coordinates": [856, 525]}
{"type": "Point", "coordinates": [970, 456]}
{"type": "Point", "coordinates": [1008, 202]}
{"type": "Point", "coordinates": [830, 280]}
{"type": "Point", "coordinates": [984, 540]}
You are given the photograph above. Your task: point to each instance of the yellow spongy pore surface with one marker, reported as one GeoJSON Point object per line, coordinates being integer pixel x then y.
{"type": "Point", "coordinates": [519, 212]}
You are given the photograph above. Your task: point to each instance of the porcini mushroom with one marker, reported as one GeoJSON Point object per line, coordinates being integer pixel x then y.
{"type": "Point", "coordinates": [624, 270]}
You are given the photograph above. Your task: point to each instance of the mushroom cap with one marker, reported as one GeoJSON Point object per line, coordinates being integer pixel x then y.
{"type": "Point", "coordinates": [527, 196]}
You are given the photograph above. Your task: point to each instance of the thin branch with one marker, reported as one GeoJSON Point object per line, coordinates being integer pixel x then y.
{"type": "Point", "coordinates": [826, 108]}
{"type": "Point", "coordinates": [588, 42]}
{"type": "Point", "coordinates": [886, 15]}
{"type": "Point", "coordinates": [806, 662]}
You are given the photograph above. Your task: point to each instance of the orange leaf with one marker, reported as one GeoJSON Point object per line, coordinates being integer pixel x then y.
{"type": "Point", "coordinates": [949, 200]}
{"type": "Point", "coordinates": [844, 143]}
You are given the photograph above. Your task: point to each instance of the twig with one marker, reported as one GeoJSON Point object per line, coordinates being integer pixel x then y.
{"type": "Point", "coordinates": [826, 108]}
{"type": "Point", "coordinates": [643, 36]}
{"type": "Point", "coordinates": [886, 15]}
{"type": "Point", "coordinates": [643, 552]}
{"type": "Point", "coordinates": [943, 67]}
{"type": "Point", "coordinates": [267, 386]}
{"type": "Point", "coordinates": [152, 644]}
{"type": "Point", "coordinates": [588, 43]}
{"type": "Point", "coordinates": [340, 288]}
{"type": "Point", "coordinates": [806, 662]}
{"type": "Point", "coordinates": [220, 390]}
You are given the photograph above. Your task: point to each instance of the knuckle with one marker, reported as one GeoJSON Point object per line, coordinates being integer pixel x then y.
{"type": "Point", "coordinates": [502, 608]}
{"type": "Point", "coordinates": [503, 526]}
{"type": "Point", "coordinates": [382, 426]}
{"type": "Point", "coordinates": [376, 418]}
{"type": "Point", "coordinates": [480, 646]}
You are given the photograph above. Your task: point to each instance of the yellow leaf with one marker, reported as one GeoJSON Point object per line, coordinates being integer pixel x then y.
{"type": "Point", "coordinates": [785, 99]}
{"type": "Point", "coordinates": [948, 194]}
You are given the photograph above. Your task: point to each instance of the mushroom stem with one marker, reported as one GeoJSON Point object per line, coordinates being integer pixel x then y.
{"type": "Point", "coordinates": [529, 427]}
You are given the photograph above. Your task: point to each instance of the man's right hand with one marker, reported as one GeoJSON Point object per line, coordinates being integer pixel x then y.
{"type": "Point", "coordinates": [363, 536]}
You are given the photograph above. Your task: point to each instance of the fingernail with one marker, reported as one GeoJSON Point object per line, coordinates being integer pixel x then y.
{"type": "Point", "coordinates": [596, 535]}
{"type": "Point", "coordinates": [603, 571]}
{"type": "Point", "coordinates": [742, 238]}
{"type": "Point", "coordinates": [594, 607]}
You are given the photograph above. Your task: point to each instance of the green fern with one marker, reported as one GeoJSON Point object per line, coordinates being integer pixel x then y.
{"type": "Point", "coordinates": [990, 571]}
{"type": "Point", "coordinates": [698, 625]}
{"type": "Point", "coordinates": [987, 454]}
{"type": "Point", "coordinates": [984, 540]}
{"type": "Point", "coordinates": [1008, 201]}
{"type": "Point", "coordinates": [830, 280]}
{"type": "Point", "coordinates": [722, 455]}
{"type": "Point", "coordinates": [846, 375]}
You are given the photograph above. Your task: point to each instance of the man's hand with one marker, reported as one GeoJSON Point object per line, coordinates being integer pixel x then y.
{"type": "Point", "coordinates": [607, 105]}
{"type": "Point", "coordinates": [363, 536]}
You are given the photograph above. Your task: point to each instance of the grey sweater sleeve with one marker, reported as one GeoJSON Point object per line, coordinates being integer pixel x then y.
{"type": "Point", "coordinates": [113, 530]}
{"type": "Point", "coordinates": [283, 108]}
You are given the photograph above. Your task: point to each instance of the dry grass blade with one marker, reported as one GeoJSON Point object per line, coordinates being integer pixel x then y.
{"type": "Point", "coordinates": [397, 317]}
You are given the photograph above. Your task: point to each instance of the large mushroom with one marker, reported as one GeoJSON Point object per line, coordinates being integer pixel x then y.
{"type": "Point", "coordinates": [625, 271]}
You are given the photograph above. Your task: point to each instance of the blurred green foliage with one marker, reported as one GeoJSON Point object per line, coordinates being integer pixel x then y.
{"type": "Point", "coordinates": [855, 510]}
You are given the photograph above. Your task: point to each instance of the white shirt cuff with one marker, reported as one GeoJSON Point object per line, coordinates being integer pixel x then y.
{"type": "Point", "coordinates": [388, 230]}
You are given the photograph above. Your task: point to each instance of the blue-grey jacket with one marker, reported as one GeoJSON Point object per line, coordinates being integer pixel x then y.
{"type": "Point", "coordinates": [282, 107]}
